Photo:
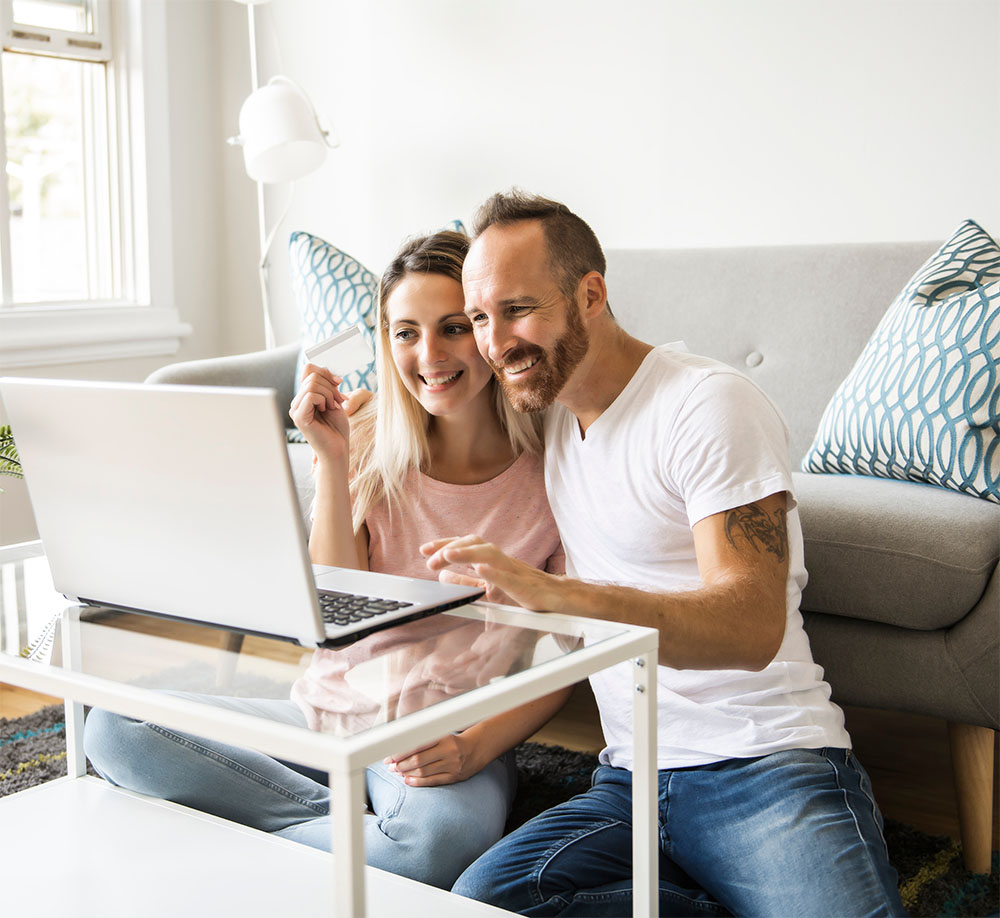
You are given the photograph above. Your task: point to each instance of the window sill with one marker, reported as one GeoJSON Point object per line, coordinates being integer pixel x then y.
{"type": "Point", "coordinates": [47, 335]}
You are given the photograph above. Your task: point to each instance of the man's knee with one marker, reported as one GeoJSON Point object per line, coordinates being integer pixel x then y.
{"type": "Point", "coordinates": [507, 876]}
{"type": "Point", "coordinates": [478, 881]}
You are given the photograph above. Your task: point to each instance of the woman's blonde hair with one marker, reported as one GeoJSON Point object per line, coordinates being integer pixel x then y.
{"type": "Point", "coordinates": [389, 435]}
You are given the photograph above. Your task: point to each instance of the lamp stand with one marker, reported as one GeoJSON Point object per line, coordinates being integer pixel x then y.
{"type": "Point", "coordinates": [266, 240]}
{"type": "Point", "coordinates": [282, 141]}
{"type": "Point", "coordinates": [263, 264]}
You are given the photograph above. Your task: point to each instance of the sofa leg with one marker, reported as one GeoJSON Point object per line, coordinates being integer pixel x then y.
{"type": "Point", "coordinates": [972, 759]}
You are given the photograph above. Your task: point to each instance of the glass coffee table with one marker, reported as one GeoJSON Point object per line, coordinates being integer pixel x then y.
{"type": "Point", "coordinates": [414, 684]}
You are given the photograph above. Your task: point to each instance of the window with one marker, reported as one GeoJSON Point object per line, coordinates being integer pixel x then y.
{"type": "Point", "coordinates": [75, 245]}
{"type": "Point", "coordinates": [56, 87]}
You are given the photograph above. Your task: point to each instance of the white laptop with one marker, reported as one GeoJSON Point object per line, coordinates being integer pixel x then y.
{"type": "Point", "coordinates": [179, 501]}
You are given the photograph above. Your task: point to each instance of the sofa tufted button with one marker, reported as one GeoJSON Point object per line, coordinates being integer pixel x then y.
{"type": "Point", "coordinates": [755, 359]}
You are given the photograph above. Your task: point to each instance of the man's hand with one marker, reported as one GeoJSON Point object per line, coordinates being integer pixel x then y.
{"type": "Point", "coordinates": [734, 620]}
{"type": "Point", "coordinates": [525, 585]}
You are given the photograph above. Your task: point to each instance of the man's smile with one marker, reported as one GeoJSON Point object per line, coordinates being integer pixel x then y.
{"type": "Point", "coordinates": [512, 369]}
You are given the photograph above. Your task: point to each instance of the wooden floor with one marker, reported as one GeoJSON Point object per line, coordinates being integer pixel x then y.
{"type": "Point", "coordinates": [906, 755]}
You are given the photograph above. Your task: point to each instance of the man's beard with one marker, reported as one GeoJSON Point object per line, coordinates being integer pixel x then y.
{"type": "Point", "coordinates": [554, 367]}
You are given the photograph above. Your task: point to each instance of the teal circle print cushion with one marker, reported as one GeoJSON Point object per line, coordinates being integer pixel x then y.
{"type": "Point", "coordinates": [922, 403]}
{"type": "Point", "coordinates": [333, 291]}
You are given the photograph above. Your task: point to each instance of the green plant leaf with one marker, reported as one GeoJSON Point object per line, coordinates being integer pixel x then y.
{"type": "Point", "coordinates": [10, 464]}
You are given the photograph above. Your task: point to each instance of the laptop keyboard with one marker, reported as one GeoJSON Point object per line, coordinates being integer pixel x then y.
{"type": "Point", "coordinates": [346, 608]}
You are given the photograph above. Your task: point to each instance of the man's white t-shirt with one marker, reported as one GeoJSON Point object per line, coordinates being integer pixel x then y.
{"type": "Point", "coordinates": [686, 438]}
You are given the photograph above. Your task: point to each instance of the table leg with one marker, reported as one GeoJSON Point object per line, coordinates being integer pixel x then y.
{"type": "Point", "coordinates": [347, 800]}
{"type": "Point", "coordinates": [76, 760]}
{"type": "Point", "coordinates": [231, 646]}
{"type": "Point", "coordinates": [645, 844]}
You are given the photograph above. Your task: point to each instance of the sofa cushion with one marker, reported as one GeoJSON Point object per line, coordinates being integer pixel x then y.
{"type": "Point", "coordinates": [332, 291]}
{"type": "Point", "coordinates": [922, 402]}
{"type": "Point", "coordinates": [899, 553]}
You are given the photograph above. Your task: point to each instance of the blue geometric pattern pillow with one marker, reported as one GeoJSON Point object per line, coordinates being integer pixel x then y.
{"type": "Point", "coordinates": [922, 403]}
{"type": "Point", "coordinates": [333, 291]}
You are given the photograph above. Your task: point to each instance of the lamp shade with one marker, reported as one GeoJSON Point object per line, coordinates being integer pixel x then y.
{"type": "Point", "coordinates": [281, 138]}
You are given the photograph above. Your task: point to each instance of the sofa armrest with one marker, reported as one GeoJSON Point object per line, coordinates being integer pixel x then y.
{"type": "Point", "coordinates": [900, 553]}
{"type": "Point", "coordinates": [274, 369]}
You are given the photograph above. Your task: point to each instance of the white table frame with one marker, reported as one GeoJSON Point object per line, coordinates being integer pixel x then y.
{"type": "Point", "coordinates": [346, 758]}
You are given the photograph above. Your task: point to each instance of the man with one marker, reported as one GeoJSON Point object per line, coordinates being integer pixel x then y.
{"type": "Point", "coordinates": [669, 478]}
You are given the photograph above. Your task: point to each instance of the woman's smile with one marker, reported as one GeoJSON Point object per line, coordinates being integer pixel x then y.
{"type": "Point", "coordinates": [439, 381]}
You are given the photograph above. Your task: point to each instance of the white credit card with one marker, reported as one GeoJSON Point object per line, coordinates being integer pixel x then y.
{"type": "Point", "coordinates": [344, 353]}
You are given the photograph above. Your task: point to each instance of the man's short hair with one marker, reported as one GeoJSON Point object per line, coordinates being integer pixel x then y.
{"type": "Point", "coordinates": [573, 248]}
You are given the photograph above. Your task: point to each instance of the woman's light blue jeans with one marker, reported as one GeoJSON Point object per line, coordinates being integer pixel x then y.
{"type": "Point", "coordinates": [793, 833]}
{"type": "Point", "coordinates": [430, 834]}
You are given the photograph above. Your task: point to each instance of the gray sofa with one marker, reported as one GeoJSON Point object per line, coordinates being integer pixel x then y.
{"type": "Point", "coordinates": [903, 601]}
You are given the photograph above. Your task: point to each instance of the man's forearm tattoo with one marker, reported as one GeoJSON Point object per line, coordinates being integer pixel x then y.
{"type": "Point", "coordinates": [763, 532]}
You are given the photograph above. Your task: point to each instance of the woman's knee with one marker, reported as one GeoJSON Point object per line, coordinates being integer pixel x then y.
{"type": "Point", "coordinates": [432, 851]}
{"type": "Point", "coordinates": [448, 856]}
{"type": "Point", "coordinates": [102, 739]}
{"type": "Point", "coordinates": [463, 817]}
{"type": "Point", "coordinates": [113, 743]}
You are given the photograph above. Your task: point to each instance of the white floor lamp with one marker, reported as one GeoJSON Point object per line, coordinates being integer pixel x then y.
{"type": "Point", "coordinates": [282, 141]}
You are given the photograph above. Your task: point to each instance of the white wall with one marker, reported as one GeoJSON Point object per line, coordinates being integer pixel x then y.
{"type": "Point", "coordinates": [662, 122]}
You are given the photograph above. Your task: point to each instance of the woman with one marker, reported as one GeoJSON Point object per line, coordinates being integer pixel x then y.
{"type": "Point", "coordinates": [439, 451]}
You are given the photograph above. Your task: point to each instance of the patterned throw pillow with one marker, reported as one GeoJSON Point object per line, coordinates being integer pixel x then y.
{"type": "Point", "coordinates": [922, 403]}
{"type": "Point", "coordinates": [333, 291]}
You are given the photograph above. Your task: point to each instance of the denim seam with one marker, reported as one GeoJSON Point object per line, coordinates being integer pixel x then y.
{"type": "Point", "coordinates": [873, 873]}
{"type": "Point", "coordinates": [584, 896]}
{"type": "Point", "coordinates": [320, 808]}
{"type": "Point", "coordinates": [561, 845]}
{"type": "Point", "coordinates": [674, 894]}
{"type": "Point", "coordinates": [861, 786]}
{"type": "Point", "coordinates": [665, 843]}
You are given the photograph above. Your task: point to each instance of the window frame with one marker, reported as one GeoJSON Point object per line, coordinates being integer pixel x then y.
{"type": "Point", "coordinates": [94, 45]}
{"type": "Point", "coordinates": [144, 320]}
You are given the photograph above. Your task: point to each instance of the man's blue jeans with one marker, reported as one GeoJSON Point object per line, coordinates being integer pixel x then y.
{"type": "Point", "coordinates": [793, 833]}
